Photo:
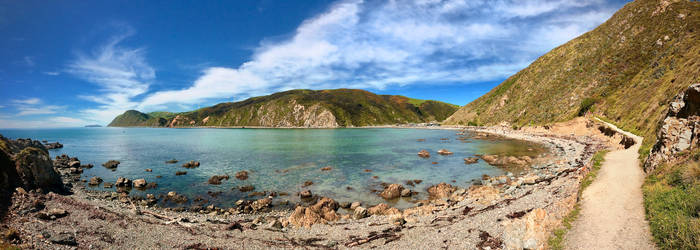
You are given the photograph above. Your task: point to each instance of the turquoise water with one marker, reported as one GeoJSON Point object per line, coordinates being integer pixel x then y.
{"type": "Point", "coordinates": [278, 159]}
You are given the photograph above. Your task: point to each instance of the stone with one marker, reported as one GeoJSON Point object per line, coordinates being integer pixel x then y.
{"type": "Point", "coordinates": [441, 190]}
{"type": "Point", "coordinates": [471, 160]}
{"type": "Point", "coordinates": [216, 179]}
{"type": "Point", "coordinates": [406, 192]}
{"type": "Point", "coordinates": [383, 209]}
{"type": "Point", "coordinates": [392, 191]}
{"type": "Point", "coordinates": [247, 188]}
{"type": "Point", "coordinates": [360, 213]}
{"type": "Point", "coordinates": [94, 181]}
{"type": "Point", "coordinates": [444, 152]}
{"type": "Point", "coordinates": [261, 204]}
{"type": "Point", "coordinates": [326, 168]}
{"type": "Point", "coordinates": [140, 183]}
{"type": "Point", "coordinates": [275, 224]}
{"type": "Point", "coordinates": [64, 238]}
{"type": "Point", "coordinates": [355, 205]}
{"type": "Point", "coordinates": [345, 205]}
{"type": "Point", "coordinates": [191, 164]}
{"type": "Point", "coordinates": [123, 182]}
{"type": "Point", "coordinates": [111, 164]}
{"type": "Point", "coordinates": [74, 164]}
{"type": "Point", "coordinates": [424, 154]}
{"type": "Point", "coordinates": [321, 212]}
{"type": "Point", "coordinates": [107, 185]}
{"type": "Point", "coordinates": [242, 175]}
{"type": "Point", "coordinates": [173, 161]}
{"type": "Point", "coordinates": [178, 173]}
{"type": "Point", "coordinates": [305, 194]}
{"type": "Point", "coordinates": [306, 184]}
{"type": "Point", "coordinates": [149, 170]}
{"type": "Point", "coordinates": [32, 169]}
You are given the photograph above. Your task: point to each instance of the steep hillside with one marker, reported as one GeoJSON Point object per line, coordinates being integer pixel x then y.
{"type": "Point", "coordinates": [626, 71]}
{"type": "Point", "coordinates": [300, 108]}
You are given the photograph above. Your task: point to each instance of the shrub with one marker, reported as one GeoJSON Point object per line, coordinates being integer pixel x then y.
{"type": "Point", "coordinates": [586, 105]}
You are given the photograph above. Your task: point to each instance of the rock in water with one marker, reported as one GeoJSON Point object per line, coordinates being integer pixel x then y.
{"type": "Point", "coordinates": [424, 154]}
{"type": "Point", "coordinates": [123, 182]}
{"type": "Point", "coordinates": [471, 160]}
{"type": "Point", "coordinates": [94, 181]}
{"type": "Point", "coordinates": [392, 191]}
{"type": "Point", "coordinates": [140, 183]}
{"type": "Point", "coordinates": [444, 152]}
{"type": "Point", "coordinates": [242, 175]}
{"type": "Point", "coordinates": [305, 194]}
{"type": "Point", "coordinates": [111, 164]}
{"type": "Point", "coordinates": [216, 179]}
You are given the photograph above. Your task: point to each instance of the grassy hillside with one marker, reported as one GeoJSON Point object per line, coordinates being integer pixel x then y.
{"type": "Point", "coordinates": [627, 70]}
{"type": "Point", "coordinates": [301, 108]}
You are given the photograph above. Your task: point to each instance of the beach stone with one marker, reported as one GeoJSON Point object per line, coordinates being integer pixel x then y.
{"type": "Point", "coordinates": [74, 164]}
{"type": "Point", "coordinates": [111, 164]}
{"type": "Point", "coordinates": [441, 190]}
{"type": "Point", "coordinates": [275, 224]}
{"type": "Point", "coordinates": [360, 213]}
{"type": "Point", "coordinates": [444, 152]}
{"type": "Point", "coordinates": [172, 194]}
{"type": "Point", "coordinates": [305, 194]}
{"type": "Point", "coordinates": [64, 238]}
{"type": "Point", "coordinates": [424, 154]}
{"type": "Point", "coordinates": [123, 182]}
{"type": "Point", "coordinates": [392, 191]}
{"type": "Point", "coordinates": [242, 175]}
{"type": "Point", "coordinates": [471, 160]}
{"type": "Point", "coordinates": [140, 183]}
{"type": "Point", "coordinates": [150, 196]}
{"type": "Point", "coordinates": [94, 181]}
{"type": "Point", "coordinates": [383, 209]}
{"type": "Point", "coordinates": [355, 205]}
{"type": "Point", "coordinates": [107, 185]}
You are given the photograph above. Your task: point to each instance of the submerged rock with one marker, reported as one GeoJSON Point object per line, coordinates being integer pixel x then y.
{"type": "Point", "coordinates": [326, 168]}
{"type": "Point", "coordinates": [471, 160]}
{"type": "Point", "coordinates": [242, 175]}
{"type": "Point", "coordinates": [216, 179]}
{"type": "Point", "coordinates": [247, 188]}
{"type": "Point", "coordinates": [173, 161]}
{"type": "Point", "coordinates": [424, 154]}
{"type": "Point", "coordinates": [180, 173]}
{"type": "Point", "coordinates": [111, 164]}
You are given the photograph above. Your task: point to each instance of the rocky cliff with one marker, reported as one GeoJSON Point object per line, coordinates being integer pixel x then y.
{"type": "Point", "coordinates": [301, 108]}
{"type": "Point", "coordinates": [627, 71]}
{"type": "Point", "coordinates": [680, 129]}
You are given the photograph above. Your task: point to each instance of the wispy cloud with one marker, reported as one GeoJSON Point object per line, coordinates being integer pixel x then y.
{"type": "Point", "coordinates": [29, 61]}
{"type": "Point", "coordinates": [38, 110]}
{"type": "Point", "coordinates": [121, 73]}
{"type": "Point", "coordinates": [28, 101]}
{"type": "Point", "coordinates": [51, 73]}
{"type": "Point", "coordinates": [372, 45]}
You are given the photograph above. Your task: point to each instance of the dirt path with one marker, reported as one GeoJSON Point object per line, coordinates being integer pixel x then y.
{"type": "Point", "coordinates": [612, 215]}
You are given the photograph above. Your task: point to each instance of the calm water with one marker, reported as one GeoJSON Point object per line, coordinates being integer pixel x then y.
{"type": "Point", "coordinates": [278, 159]}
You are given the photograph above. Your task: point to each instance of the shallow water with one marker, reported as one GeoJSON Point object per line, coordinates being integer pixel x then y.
{"type": "Point", "coordinates": [280, 159]}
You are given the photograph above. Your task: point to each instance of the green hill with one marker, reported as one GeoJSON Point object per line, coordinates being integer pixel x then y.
{"type": "Point", "coordinates": [300, 108]}
{"type": "Point", "coordinates": [627, 70]}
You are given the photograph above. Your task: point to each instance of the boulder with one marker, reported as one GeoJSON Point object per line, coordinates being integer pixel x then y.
{"type": "Point", "coordinates": [178, 173]}
{"type": "Point", "coordinates": [191, 164]}
{"type": "Point", "coordinates": [306, 184]}
{"type": "Point", "coordinates": [383, 209]}
{"type": "Point", "coordinates": [444, 152]}
{"type": "Point", "coordinates": [360, 213]}
{"type": "Point", "coordinates": [471, 160]}
{"type": "Point", "coordinates": [355, 205]}
{"type": "Point", "coordinates": [406, 192]}
{"type": "Point", "coordinates": [34, 169]}
{"type": "Point", "coordinates": [326, 168]}
{"type": "Point", "coordinates": [140, 183]}
{"type": "Point", "coordinates": [122, 182]}
{"type": "Point", "coordinates": [242, 175]}
{"type": "Point", "coordinates": [321, 212]}
{"type": "Point", "coordinates": [441, 190]}
{"type": "Point", "coordinates": [149, 170]}
{"type": "Point", "coordinates": [424, 154]}
{"type": "Point", "coordinates": [247, 188]}
{"type": "Point", "coordinates": [74, 164]}
{"type": "Point", "coordinates": [94, 181]}
{"type": "Point", "coordinates": [261, 204]}
{"type": "Point", "coordinates": [305, 194]}
{"type": "Point", "coordinates": [216, 179]}
{"type": "Point", "coordinates": [392, 191]}
{"type": "Point", "coordinates": [111, 164]}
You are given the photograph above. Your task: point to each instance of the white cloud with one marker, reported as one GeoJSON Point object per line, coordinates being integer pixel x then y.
{"type": "Point", "coordinates": [28, 101]}
{"type": "Point", "coordinates": [371, 45]}
{"type": "Point", "coordinates": [52, 73]}
{"type": "Point", "coordinates": [121, 73]}
{"type": "Point", "coordinates": [38, 110]}
{"type": "Point", "coordinates": [50, 122]}
{"type": "Point", "coordinates": [29, 61]}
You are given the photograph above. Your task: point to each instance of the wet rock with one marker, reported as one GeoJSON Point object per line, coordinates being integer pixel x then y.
{"type": "Point", "coordinates": [191, 164]}
{"type": "Point", "coordinates": [178, 173]}
{"type": "Point", "coordinates": [444, 152]}
{"type": "Point", "coordinates": [344, 204]}
{"type": "Point", "coordinates": [75, 171]}
{"type": "Point", "coordinates": [107, 185]}
{"type": "Point", "coordinates": [355, 205]}
{"type": "Point", "coordinates": [140, 183]}
{"type": "Point", "coordinates": [410, 183]}
{"type": "Point", "coordinates": [242, 175]}
{"type": "Point", "coordinates": [441, 190]}
{"type": "Point", "coordinates": [360, 213]}
{"type": "Point", "coordinates": [406, 193]}
{"type": "Point", "coordinates": [53, 145]}
{"type": "Point", "coordinates": [111, 164]}
{"type": "Point", "coordinates": [149, 170]}
{"type": "Point", "coordinates": [89, 165]}
{"type": "Point", "coordinates": [305, 194]}
{"type": "Point", "coordinates": [94, 181]}
{"type": "Point", "coordinates": [123, 182]}
{"type": "Point", "coordinates": [216, 179]}
{"type": "Point", "coordinates": [74, 164]}
{"type": "Point", "coordinates": [173, 161]}
{"type": "Point", "coordinates": [368, 170]}
{"type": "Point", "coordinates": [247, 188]}
{"type": "Point", "coordinates": [306, 184]}
{"type": "Point", "coordinates": [392, 191]}
{"type": "Point", "coordinates": [326, 168]}
{"type": "Point", "coordinates": [417, 181]}
{"type": "Point", "coordinates": [424, 154]}
{"type": "Point", "coordinates": [471, 160]}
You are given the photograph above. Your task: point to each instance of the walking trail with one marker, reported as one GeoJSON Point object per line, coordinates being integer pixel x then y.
{"type": "Point", "coordinates": [612, 212]}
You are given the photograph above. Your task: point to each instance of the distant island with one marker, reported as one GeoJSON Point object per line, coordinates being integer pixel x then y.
{"type": "Point", "coordinates": [300, 108]}
{"type": "Point", "coordinates": [93, 126]}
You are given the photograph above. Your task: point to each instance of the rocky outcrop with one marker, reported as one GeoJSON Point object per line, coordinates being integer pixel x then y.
{"type": "Point", "coordinates": [322, 212]}
{"type": "Point", "coordinates": [392, 191]}
{"type": "Point", "coordinates": [441, 190]}
{"type": "Point", "coordinates": [679, 130]}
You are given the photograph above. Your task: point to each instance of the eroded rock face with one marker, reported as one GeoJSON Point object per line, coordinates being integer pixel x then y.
{"type": "Point", "coordinates": [680, 129]}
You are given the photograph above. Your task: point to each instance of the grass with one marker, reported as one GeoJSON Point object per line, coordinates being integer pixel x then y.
{"type": "Point", "coordinates": [556, 241]}
{"type": "Point", "coordinates": [672, 203]}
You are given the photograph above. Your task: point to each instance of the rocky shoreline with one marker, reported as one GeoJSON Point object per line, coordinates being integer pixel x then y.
{"type": "Point", "coordinates": [502, 212]}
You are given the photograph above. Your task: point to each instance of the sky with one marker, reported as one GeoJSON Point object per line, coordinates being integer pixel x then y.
{"type": "Point", "coordinates": [73, 63]}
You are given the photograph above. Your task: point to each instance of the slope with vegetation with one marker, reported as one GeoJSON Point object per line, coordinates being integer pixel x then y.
{"type": "Point", "coordinates": [301, 108]}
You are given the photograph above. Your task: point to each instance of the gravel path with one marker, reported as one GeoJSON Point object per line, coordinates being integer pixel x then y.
{"type": "Point", "coordinates": [612, 215]}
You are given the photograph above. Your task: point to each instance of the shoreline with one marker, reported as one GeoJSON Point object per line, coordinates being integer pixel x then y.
{"type": "Point", "coordinates": [554, 184]}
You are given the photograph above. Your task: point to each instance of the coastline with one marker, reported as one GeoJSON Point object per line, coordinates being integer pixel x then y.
{"type": "Point", "coordinates": [544, 195]}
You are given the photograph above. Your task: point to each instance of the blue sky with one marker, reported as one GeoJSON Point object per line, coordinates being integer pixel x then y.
{"type": "Point", "coordinates": [72, 63]}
